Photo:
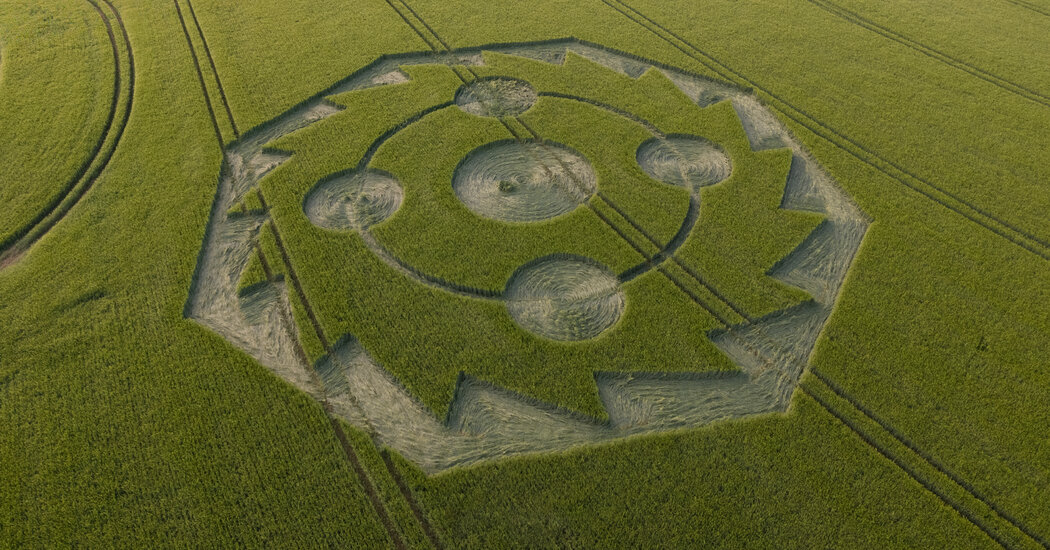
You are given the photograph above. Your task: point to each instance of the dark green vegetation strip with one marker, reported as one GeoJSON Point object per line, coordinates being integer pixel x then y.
{"type": "Point", "coordinates": [410, 498]}
{"type": "Point", "coordinates": [298, 286]}
{"type": "Point", "coordinates": [370, 489]}
{"type": "Point", "coordinates": [907, 468]}
{"type": "Point", "coordinates": [410, 521]}
{"type": "Point", "coordinates": [215, 71]}
{"type": "Point", "coordinates": [263, 78]}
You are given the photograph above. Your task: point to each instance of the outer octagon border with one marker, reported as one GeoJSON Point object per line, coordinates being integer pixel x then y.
{"type": "Point", "coordinates": [487, 422]}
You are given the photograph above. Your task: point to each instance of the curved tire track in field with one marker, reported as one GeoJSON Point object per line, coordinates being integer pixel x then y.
{"type": "Point", "coordinates": [89, 172]}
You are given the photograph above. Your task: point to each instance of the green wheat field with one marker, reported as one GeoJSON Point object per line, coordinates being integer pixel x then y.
{"type": "Point", "coordinates": [506, 274]}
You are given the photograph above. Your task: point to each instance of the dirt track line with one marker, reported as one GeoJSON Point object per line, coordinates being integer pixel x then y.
{"type": "Point", "coordinates": [298, 286]}
{"type": "Point", "coordinates": [693, 296]}
{"type": "Point", "coordinates": [904, 466]}
{"type": "Point", "coordinates": [412, 26]}
{"type": "Point", "coordinates": [82, 181]}
{"type": "Point", "coordinates": [927, 457]}
{"type": "Point", "coordinates": [677, 283]}
{"type": "Point", "coordinates": [891, 169]}
{"type": "Point", "coordinates": [406, 491]}
{"type": "Point", "coordinates": [933, 53]}
{"type": "Point", "coordinates": [370, 489]}
{"type": "Point", "coordinates": [681, 263]}
{"type": "Point", "coordinates": [1030, 6]}
{"type": "Point", "coordinates": [211, 61]}
{"type": "Point", "coordinates": [348, 450]}
{"type": "Point", "coordinates": [427, 25]}
{"type": "Point", "coordinates": [351, 454]}
{"type": "Point", "coordinates": [962, 483]}
{"type": "Point", "coordinates": [200, 77]}
{"type": "Point", "coordinates": [260, 254]}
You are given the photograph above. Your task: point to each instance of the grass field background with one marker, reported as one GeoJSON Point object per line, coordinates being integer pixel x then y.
{"type": "Point", "coordinates": [127, 424]}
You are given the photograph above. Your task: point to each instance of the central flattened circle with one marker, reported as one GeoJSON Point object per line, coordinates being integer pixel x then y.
{"type": "Point", "coordinates": [528, 181]}
{"type": "Point", "coordinates": [564, 297]}
{"type": "Point", "coordinates": [496, 97]}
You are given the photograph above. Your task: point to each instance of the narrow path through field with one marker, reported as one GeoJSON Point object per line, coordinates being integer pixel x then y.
{"type": "Point", "coordinates": [890, 169]}
{"type": "Point", "coordinates": [82, 181]}
{"type": "Point", "coordinates": [200, 75]}
{"type": "Point", "coordinates": [929, 460]}
{"type": "Point", "coordinates": [348, 449]}
{"type": "Point", "coordinates": [933, 53]}
{"type": "Point", "coordinates": [1031, 6]}
{"type": "Point", "coordinates": [467, 75]}
{"type": "Point", "coordinates": [215, 71]}
{"type": "Point", "coordinates": [924, 187]}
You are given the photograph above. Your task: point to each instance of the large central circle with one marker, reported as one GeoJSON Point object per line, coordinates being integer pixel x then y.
{"type": "Point", "coordinates": [528, 181]}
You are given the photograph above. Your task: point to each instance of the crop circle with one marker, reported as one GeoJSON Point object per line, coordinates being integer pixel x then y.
{"type": "Point", "coordinates": [527, 181]}
{"type": "Point", "coordinates": [353, 201]}
{"type": "Point", "coordinates": [564, 297]}
{"type": "Point", "coordinates": [684, 161]}
{"type": "Point", "coordinates": [496, 97]}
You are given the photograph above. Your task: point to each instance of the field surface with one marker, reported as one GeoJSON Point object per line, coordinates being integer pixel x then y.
{"type": "Point", "coordinates": [573, 274]}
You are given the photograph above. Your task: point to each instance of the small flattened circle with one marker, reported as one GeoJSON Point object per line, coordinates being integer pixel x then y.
{"type": "Point", "coordinates": [564, 297]}
{"type": "Point", "coordinates": [523, 181]}
{"type": "Point", "coordinates": [685, 161]}
{"type": "Point", "coordinates": [496, 97]}
{"type": "Point", "coordinates": [353, 201]}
